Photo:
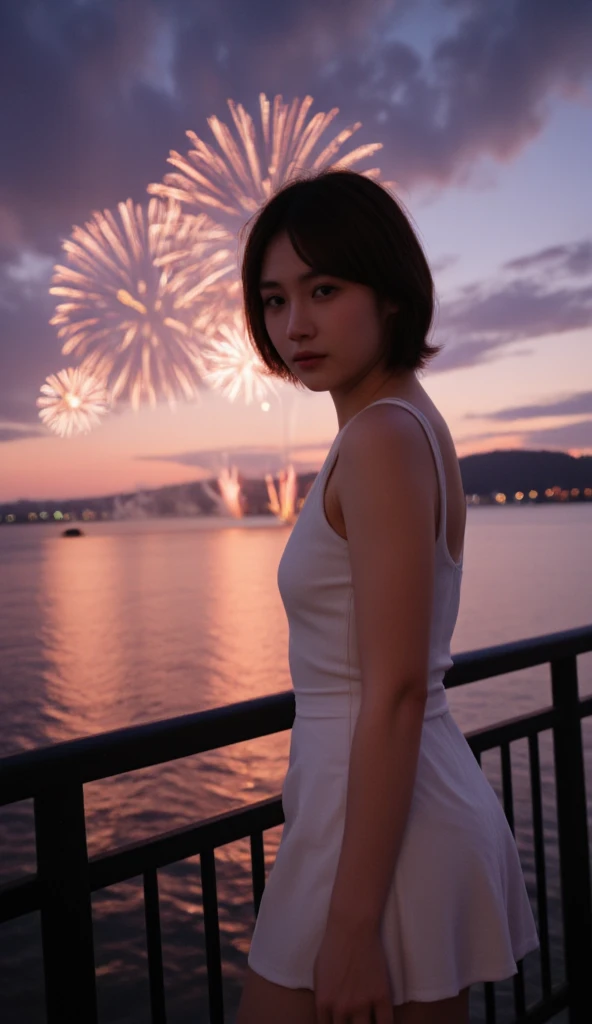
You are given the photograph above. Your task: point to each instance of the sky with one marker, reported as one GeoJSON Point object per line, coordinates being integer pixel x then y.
{"type": "Point", "coordinates": [485, 115]}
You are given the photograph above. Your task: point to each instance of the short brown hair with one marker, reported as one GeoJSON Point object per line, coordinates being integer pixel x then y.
{"type": "Point", "coordinates": [346, 225]}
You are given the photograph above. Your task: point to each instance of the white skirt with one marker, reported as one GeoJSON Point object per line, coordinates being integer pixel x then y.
{"type": "Point", "coordinates": [457, 911]}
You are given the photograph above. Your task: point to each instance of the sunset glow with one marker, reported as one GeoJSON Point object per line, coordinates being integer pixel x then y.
{"type": "Point", "coordinates": [120, 249]}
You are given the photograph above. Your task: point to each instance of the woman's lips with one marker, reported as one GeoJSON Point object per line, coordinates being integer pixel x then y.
{"type": "Point", "coordinates": [309, 362]}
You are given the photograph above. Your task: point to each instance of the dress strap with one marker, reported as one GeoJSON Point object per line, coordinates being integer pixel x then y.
{"type": "Point", "coordinates": [431, 435]}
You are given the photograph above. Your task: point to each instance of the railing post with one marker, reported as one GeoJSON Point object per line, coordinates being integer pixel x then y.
{"type": "Point", "coordinates": [66, 916]}
{"type": "Point", "coordinates": [572, 822]}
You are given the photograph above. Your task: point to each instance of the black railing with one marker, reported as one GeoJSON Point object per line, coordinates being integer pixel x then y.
{"type": "Point", "coordinates": [61, 889]}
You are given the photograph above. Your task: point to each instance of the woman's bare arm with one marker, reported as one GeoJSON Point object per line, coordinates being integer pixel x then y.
{"type": "Point", "coordinates": [387, 484]}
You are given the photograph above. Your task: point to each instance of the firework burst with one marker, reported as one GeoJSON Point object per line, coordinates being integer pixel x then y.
{"type": "Point", "coordinates": [231, 365]}
{"type": "Point", "coordinates": [243, 172]}
{"type": "Point", "coordinates": [228, 500]}
{"type": "Point", "coordinates": [283, 504]}
{"type": "Point", "coordinates": [138, 289]}
{"type": "Point", "coordinates": [72, 402]}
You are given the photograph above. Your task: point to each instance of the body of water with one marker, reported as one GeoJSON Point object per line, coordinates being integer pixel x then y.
{"type": "Point", "coordinates": [144, 620]}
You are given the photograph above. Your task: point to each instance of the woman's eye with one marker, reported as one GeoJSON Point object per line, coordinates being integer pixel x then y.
{"type": "Point", "coordinates": [327, 288]}
{"type": "Point", "coordinates": [271, 301]}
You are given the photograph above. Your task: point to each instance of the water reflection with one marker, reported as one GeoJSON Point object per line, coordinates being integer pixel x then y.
{"type": "Point", "coordinates": [83, 588]}
{"type": "Point", "coordinates": [140, 621]}
{"type": "Point", "coordinates": [121, 617]}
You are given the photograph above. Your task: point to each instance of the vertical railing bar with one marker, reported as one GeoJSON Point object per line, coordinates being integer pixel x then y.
{"type": "Point", "coordinates": [257, 868]}
{"type": "Point", "coordinates": [476, 754]}
{"type": "Point", "coordinates": [508, 798]}
{"type": "Point", "coordinates": [154, 947]}
{"type": "Point", "coordinates": [212, 936]}
{"type": "Point", "coordinates": [65, 902]}
{"type": "Point", "coordinates": [539, 860]}
{"type": "Point", "coordinates": [507, 790]}
{"type": "Point", "coordinates": [572, 821]}
{"type": "Point", "coordinates": [518, 983]}
{"type": "Point", "coordinates": [490, 1015]}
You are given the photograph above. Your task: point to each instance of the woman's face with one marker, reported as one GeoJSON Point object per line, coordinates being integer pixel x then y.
{"type": "Point", "coordinates": [340, 322]}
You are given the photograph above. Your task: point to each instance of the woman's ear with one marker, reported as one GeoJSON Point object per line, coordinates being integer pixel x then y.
{"type": "Point", "coordinates": [387, 307]}
{"type": "Point", "coordinates": [390, 309]}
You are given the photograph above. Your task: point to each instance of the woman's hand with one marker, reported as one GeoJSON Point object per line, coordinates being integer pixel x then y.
{"type": "Point", "coordinates": [351, 980]}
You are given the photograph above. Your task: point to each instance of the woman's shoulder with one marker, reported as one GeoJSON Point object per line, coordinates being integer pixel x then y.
{"type": "Point", "coordinates": [384, 452]}
{"type": "Point", "coordinates": [383, 432]}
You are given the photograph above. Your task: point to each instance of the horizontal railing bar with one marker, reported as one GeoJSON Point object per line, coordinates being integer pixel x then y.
{"type": "Point", "coordinates": [20, 896]}
{"type": "Point", "coordinates": [142, 746]}
{"type": "Point", "coordinates": [126, 862]}
{"type": "Point", "coordinates": [491, 736]}
{"type": "Point", "coordinates": [520, 727]}
{"type": "Point", "coordinates": [91, 758]}
{"type": "Point", "coordinates": [486, 662]}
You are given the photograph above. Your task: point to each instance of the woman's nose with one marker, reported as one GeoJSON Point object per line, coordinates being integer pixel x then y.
{"type": "Point", "coordinates": [299, 323]}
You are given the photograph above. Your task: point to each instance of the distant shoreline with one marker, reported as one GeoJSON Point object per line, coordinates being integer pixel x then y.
{"type": "Point", "coordinates": [91, 517]}
{"type": "Point", "coordinates": [509, 477]}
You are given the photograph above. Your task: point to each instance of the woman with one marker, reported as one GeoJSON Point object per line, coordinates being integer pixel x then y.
{"type": "Point", "coordinates": [397, 883]}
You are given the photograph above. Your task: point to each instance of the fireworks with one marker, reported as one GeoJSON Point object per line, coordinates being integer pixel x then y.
{"type": "Point", "coordinates": [283, 505]}
{"type": "Point", "coordinates": [228, 500]}
{"type": "Point", "coordinates": [231, 365]}
{"type": "Point", "coordinates": [72, 402]}
{"type": "Point", "coordinates": [137, 290]}
{"type": "Point", "coordinates": [148, 296]}
{"type": "Point", "coordinates": [246, 170]}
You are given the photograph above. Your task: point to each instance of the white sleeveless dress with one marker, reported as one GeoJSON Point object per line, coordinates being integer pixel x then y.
{"type": "Point", "coordinates": [457, 911]}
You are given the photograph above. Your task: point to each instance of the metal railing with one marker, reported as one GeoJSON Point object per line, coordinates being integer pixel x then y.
{"type": "Point", "coordinates": [61, 889]}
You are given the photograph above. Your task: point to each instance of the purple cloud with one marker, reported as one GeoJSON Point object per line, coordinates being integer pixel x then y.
{"type": "Point", "coordinates": [250, 461]}
{"type": "Point", "coordinates": [531, 302]}
{"type": "Point", "coordinates": [18, 433]}
{"type": "Point", "coordinates": [569, 435]}
{"type": "Point", "coordinates": [579, 404]}
{"type": "Point", "coordinates": [100, 92]}
{"type": "Point", "coordinates": [573, 259]}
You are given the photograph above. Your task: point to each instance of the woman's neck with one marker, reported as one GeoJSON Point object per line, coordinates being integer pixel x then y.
{"type": "Point", "coordinates": [402, 385]}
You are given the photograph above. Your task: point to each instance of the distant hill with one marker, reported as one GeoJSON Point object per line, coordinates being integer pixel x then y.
{"type": "Point", "coordinates": [511, 471]}
{"type": "Point", "coordinates": [484, 475]}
